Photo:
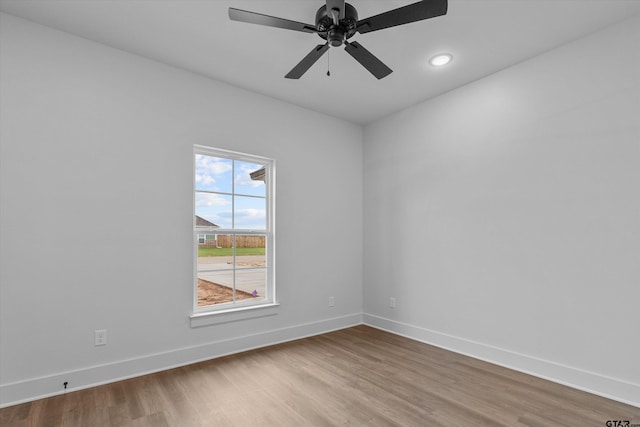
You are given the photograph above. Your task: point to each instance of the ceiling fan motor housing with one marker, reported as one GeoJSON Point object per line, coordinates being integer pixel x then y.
{"type": "Point", "coordinates": [336, 34]}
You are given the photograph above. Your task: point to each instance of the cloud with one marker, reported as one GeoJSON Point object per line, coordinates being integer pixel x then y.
{"type": "Point", "coordinates": [243, 176]}
{"type": "Point", "coordinates": [251, 219]}
{"type": "Point", "coordinates": [214, 165]}
{"type": "Point", "coordinates": [205, 179]}
{"type": "Point", "coordinates": [251, 213]}
{"type": "Point", "coordinates": [209, 168]}
{"type": "Point", "coordinates": [209, 200]}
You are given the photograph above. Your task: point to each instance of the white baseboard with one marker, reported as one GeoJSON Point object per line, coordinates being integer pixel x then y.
{"type": "Point", "coordinates": [611, 388]}
{"type": "Point", "coordinates": [41, 387]}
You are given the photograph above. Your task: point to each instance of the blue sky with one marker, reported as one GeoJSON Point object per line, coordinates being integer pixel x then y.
{"type": "Point", "coordinates": [216, 179]}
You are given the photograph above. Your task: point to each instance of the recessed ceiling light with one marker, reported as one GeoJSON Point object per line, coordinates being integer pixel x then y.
{"type": "Point", "coordinates": [441, 59]}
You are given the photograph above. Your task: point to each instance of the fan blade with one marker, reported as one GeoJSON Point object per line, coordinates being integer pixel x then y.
{"type": "Point", "coordinates": [269, 21]}
{"type": "Point", "coordinates": [411, 13]}
{"type": "Point", "coordinates": [307, 61]}
{"type": "Point", "coordinates": [367, 59]}
{"type": "Point", "coordinates": [336, 4]}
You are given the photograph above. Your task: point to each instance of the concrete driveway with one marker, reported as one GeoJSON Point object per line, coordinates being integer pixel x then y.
{"type": "Point", "coordinates": [251, 273]}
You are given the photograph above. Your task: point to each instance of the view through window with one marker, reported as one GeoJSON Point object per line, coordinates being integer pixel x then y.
{"type": "Point", "coordinates": [232, 229]}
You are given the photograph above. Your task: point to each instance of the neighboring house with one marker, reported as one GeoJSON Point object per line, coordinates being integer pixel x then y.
{"type": "Point", "coordinates": [204, 229]}
{"type": "Point", "coordinates": [258, 175]}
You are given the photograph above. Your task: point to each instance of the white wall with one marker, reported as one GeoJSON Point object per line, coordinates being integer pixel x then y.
{"type": "Point", "coordinates": [505, 216]}
{"type": "Point", "coordinates": [96, 212]}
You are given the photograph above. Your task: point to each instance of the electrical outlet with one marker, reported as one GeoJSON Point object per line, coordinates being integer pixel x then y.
{"type": "Point", "coordinates": [392, 302]}
{"type": "Point", "coordinates": [332, 302]}
{"type": "Point", "coordinates": [101, 337]}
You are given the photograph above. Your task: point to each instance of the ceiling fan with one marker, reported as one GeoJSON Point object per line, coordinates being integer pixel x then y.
{"type": "Point", "coordinates": [337, 21]}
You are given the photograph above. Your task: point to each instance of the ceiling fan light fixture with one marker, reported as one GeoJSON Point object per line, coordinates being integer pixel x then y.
{"type": "Point", "coordinates": [441, 59]}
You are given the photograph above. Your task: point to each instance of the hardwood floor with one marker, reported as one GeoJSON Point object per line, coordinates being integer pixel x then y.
{"type": "Point", "coordinates": [356, 376]}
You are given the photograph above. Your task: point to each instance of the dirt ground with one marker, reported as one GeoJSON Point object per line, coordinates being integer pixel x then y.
{"type": "Point", "coordinates": [212, 293]}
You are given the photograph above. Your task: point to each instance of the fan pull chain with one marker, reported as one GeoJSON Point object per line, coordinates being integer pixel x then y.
{"type": "Point", "coordinates": [328, 62]}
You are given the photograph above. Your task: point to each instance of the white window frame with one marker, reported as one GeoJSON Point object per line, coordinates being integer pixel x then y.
{"type": "Point", "coordinates": [226, 312]}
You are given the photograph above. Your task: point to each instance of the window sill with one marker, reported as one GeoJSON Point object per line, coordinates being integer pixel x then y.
{"type": "Point", "coordinates": [233, 315]}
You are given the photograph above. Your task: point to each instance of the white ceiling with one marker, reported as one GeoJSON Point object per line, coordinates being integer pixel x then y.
{"type": "Point", "coordinates": [483, 35]}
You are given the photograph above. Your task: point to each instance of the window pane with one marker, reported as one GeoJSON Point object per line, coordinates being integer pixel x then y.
{"type": "Point", "coordinates": [250, 251]}
{"type": "Point", "coordinates": [214, 208]}
{"type": "Point", "coordinates": [213, 173]}
{"type": "Point", "coordinates": [250, 213]}
{"type": "Point", "coordinates": [215, 270]}
{"type": "Point", "coordinates": [247, 184]}
{"type": "Point", "coordinates": [231, 192]}
{"type": "Point", "coordinates": [251, 282]}
{"type": "Point", "coordinates": [215, 287]}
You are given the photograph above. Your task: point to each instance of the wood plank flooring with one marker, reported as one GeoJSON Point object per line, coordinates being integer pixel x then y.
{"type": "Point", "coordinates": [356, 376]}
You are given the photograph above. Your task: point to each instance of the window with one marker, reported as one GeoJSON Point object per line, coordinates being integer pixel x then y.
{"type": "Point", "coordinates": [233, 230]}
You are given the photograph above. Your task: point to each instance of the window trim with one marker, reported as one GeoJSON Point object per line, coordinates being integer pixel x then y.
{"type": "Point", "coordinates": [233, 314]}
{"type": "Point", "coordinates": [227, 312]}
